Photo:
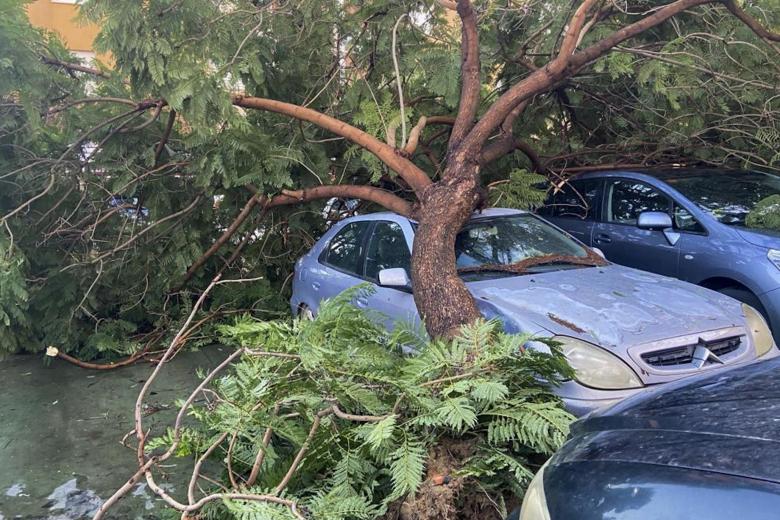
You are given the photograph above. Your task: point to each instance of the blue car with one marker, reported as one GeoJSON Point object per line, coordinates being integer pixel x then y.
{"type": "Point", "coordinates": [690, 224]}
{"type": "Point", "coordinates": [703, 449]}
{"type": "Point", "coordinates": [621, 329]}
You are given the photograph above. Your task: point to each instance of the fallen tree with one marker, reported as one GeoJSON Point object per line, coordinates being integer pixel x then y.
{"type": "Point", "coordinates": [128, 186]}
{"type": "Point", "coordinates": [139, 182]}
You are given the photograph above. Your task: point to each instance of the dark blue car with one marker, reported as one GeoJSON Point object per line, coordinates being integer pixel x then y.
{"type": "Point", "coordinates": [708, 227]}
{"type": "Point", "coordinates": [703, 449]}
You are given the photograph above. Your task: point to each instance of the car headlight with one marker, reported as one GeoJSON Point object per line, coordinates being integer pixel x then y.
{"type": "Point", "coordinates": [758, 330]}
{"type": "Point", "coordinates": [597, 368]}
{"type": "Point", "coordinates": [773, 255]}
{"type": "Point", "coordinates": [535, 503]}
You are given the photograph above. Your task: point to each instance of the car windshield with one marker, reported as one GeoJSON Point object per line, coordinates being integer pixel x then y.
{"type": "Point", "coordinates": [728, 196]}
{"type": "Point", "coordinates": [515, 244]}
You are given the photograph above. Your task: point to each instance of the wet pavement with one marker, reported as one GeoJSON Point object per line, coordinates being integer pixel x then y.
{"type": "Point", "coordinates": [60, 433]}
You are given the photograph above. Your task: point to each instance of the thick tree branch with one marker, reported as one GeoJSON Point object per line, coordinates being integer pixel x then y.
{"type": "Point", "coordinates": [379, 196]}
{"type": "Point", "coordinates": [751, 22]}
{"type": "Point", "coordinates": [575, 29]}
{"type": "Point", "coordinates": [469, 72]}
{"type": "Point", "coordinates": [566, 65]}
{"type": "Point", "coordinates": [507, 145]}
{"type": "Point", "coordinates": [406, 169]}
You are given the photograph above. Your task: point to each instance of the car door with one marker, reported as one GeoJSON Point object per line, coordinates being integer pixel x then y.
{"type": "Point", "coordinates": [700, 253]}
{"type": "Point", "coordinates": [342, 261]}
{"type": "Point", "coordinates": [618, 235]}
{"type": "Point", "coordinates": [574, 207]}
{"type": "Point", "coordinates": [388, 248]}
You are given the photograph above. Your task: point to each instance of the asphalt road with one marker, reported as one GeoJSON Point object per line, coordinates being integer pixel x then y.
{"type": "Point", "coordinates": [60, 432]}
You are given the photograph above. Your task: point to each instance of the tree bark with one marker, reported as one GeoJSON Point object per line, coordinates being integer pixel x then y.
{"type": "Point", "coordinates": [406, 169]}
{"type": "Point", "coordinates": [442, 299]}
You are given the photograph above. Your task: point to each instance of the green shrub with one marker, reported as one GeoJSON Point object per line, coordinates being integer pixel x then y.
{"type": "Point", "coordinates": [391, 426]}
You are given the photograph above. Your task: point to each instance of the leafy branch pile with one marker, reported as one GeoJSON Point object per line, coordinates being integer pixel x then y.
{"type": "Point", "coordinates": [328, 419]}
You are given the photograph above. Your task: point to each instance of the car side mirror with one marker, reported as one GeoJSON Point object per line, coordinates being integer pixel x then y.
{"type": "Point", "coordinates": [654, 220]}
{"type": "Point", "coordinates": [395, 277]}
{"type": "Point", "coordinates": [599, 252]}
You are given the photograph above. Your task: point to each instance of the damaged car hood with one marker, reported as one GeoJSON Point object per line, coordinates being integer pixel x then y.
{"type": "Point", "coordinates": [610, 306]}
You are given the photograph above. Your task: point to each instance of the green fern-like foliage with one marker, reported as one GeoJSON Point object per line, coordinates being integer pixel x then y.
{"type": "Point", "coordinates": [479, 396]}
{"type": "Point", "coordinates": [523, 189]}
{"type": "Point", "coordinates": [766, 214]}
{"type": "Point", "coordinates": [14, 298]}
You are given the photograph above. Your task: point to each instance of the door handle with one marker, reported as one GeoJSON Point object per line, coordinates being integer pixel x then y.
{"type": "Point", "coordinates": [602, 238]}
{"type": "Point", "coordinates": [315, 286]}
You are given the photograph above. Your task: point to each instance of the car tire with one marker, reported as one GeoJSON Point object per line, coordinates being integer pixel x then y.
{"type": "Point", "coordinates": [305, 313]}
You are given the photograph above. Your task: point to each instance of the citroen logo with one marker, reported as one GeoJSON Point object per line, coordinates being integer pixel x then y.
{"type": "Point", "coordinates": [703, 355]}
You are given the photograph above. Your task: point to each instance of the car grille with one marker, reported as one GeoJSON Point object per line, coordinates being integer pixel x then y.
{"type": "Point", "coordinates": [683, 355]}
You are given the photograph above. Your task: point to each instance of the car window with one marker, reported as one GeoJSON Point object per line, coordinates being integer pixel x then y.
{"type": "Point", "coordinates": [684, 221]}
{"type": "Point", "coordinates": [512, 239]}
{"type": "Point", "coordinates": [626, 199]}
{"type": "Point", "coordinates": [387, 249]}
{"type": "Point", "coordinates": [345, 250]}
{"type": "Point", "coordinates": [575, 199]}
{"type": "Point", "coordinates": [730, 197]}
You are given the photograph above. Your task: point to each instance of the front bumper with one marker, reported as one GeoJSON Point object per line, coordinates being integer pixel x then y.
{"type": "Point", "coordinates": [581, 400]}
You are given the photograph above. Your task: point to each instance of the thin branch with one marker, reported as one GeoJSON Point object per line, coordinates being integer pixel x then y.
{"type": "Point", "coordinates": [74, 67]}
{"type": "Point", "coordinates": [398, 80]}
{"type": "Point", "coordinates": [165, 136]}
{"type": "Point", "coordinates": [54, 352]}
{"type": "Point", "coordinates": [199, 463]}
{"type": "Point", "coordinates": [29, 201]}
{"type": "Point", "coordinates": [84, 101]}
{"type": "Point", "coordinates": [145, 230]}
{"type": "Point", "coordinates": [222, 240]}
{"type": "Point", "coordinates": [338, 412]}
{"type": "Point", "coordinates": [414, 136]}
{"type": "Point", "coordinates": [261, 451]}
{"type": "Point", "coordinates": [304, 448]}
{"type": "Point", "coordinates": [146, 464]}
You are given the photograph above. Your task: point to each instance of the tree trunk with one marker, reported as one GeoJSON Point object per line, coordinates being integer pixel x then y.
{"type": "Point", "coordinates": [444, 302]}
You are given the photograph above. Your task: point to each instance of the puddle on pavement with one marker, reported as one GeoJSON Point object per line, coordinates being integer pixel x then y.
{"type": "Point", "coordinates": [60, 433]}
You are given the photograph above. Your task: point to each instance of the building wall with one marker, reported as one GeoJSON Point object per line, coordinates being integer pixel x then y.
{"type": "Point", "coordinates": [60, 16]}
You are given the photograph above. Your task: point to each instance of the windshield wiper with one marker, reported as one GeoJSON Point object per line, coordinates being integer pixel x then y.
{"type": "Point", "coordinates": [590, 260]}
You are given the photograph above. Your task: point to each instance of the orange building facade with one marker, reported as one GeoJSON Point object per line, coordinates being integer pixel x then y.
{"type": "Point", "coordinates": [61, 17]}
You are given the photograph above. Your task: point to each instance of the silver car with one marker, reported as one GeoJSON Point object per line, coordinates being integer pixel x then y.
{"type": "Point", "coordinates": [621, 329]}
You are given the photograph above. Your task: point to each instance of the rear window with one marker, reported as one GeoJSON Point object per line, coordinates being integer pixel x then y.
{"type": "Point", "coordinates": [575, 199]}
{"type": "Point", "coordinates": [731, 197]}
